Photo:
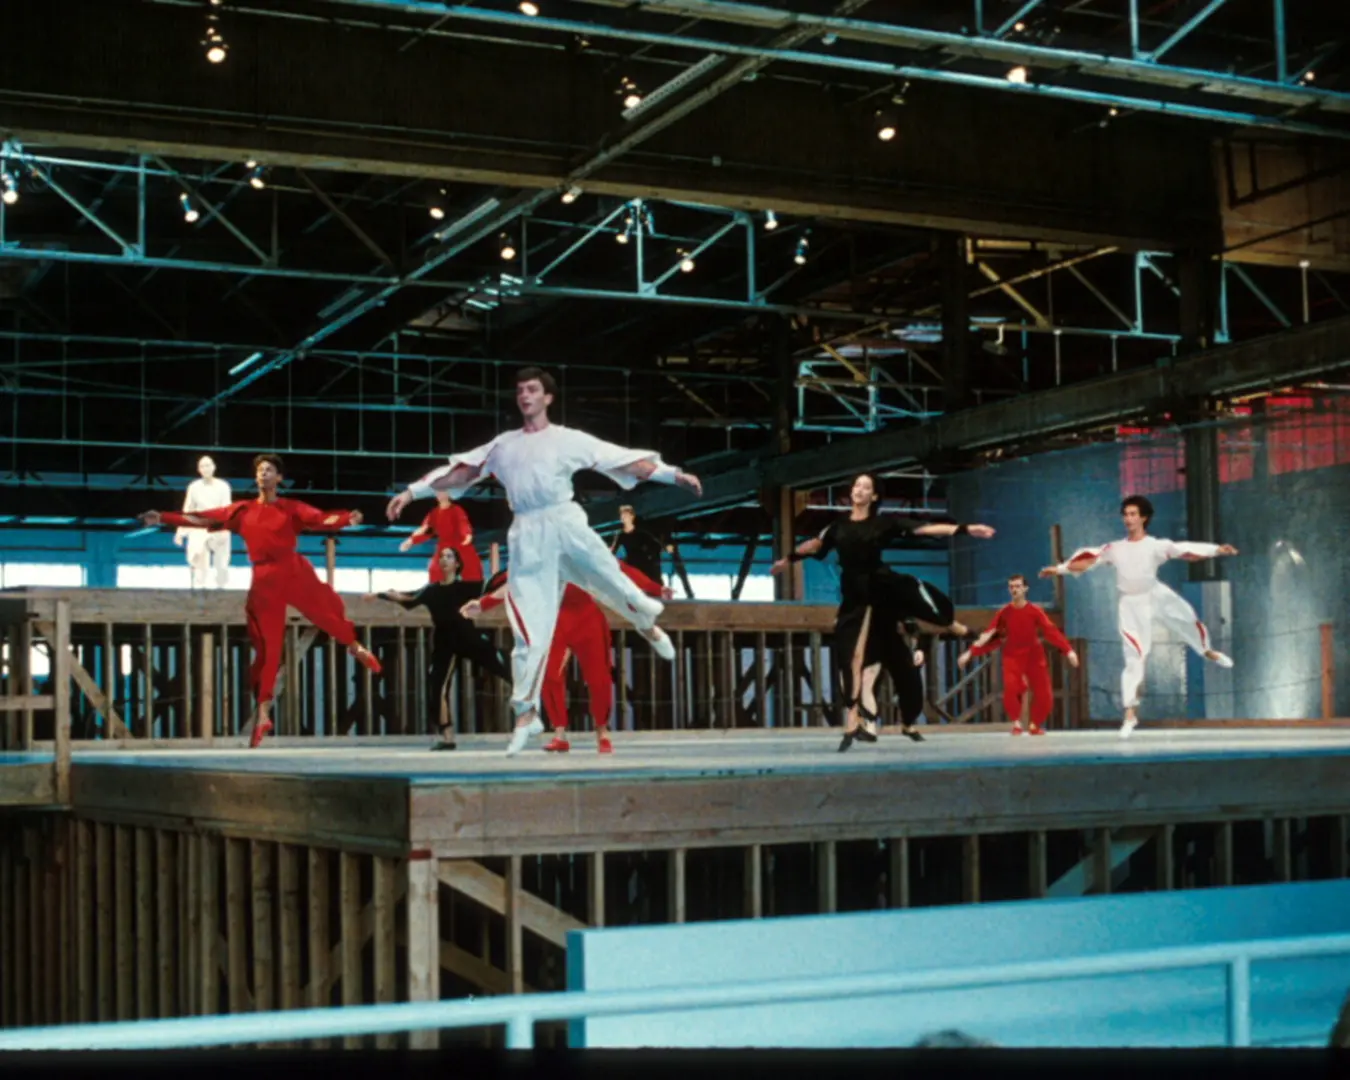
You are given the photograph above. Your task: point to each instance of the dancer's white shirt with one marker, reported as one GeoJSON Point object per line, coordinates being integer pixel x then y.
{"type": "Point", "coordinates": [1136, 561]}
{"type": "Point", "coordinates": [204, 496]}
{"type": "Point", "coordinates": [536, 467]}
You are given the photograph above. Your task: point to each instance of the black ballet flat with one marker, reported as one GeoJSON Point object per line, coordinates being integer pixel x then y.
{"type": "Point", "coordinates": [863, 735]}
{"type": "Point", "coordinates": [913, 733]}
{"type": "Point", "coordinates": [868, 717]}
{"type": "Point", "coordinates": [846, 741]}
{"type": "Point", "coordinates": [447, 739]}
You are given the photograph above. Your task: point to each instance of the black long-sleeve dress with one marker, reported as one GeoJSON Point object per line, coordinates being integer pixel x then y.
{"type": "Point", "coordinates": [866, 583]}
{"type": "Point", "coordinates": [455, 636]}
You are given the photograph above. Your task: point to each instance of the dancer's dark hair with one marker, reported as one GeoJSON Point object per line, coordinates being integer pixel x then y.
{"type": "Point", "coordinates": [545, 379]}
{"type": "Point", "coordinates": [1141, 504]}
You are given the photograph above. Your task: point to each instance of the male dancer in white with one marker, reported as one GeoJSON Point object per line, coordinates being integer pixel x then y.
{"type": "Point", "coordinates": [1143, 598]}
{"type": "Point", "coordinates": [205, 546]}
{"type": "Point", "coordinates": [550, 541]}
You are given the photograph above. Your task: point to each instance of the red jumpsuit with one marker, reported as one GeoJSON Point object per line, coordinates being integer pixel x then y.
{"type": "Point", "coordinates": [281, 576]}
{"type": "Point", "coordinates": [1024, 664]}
{"type": "Point", "coordinates": [581, 631]}
{"type": "Point", "coordinates": [450, 526]}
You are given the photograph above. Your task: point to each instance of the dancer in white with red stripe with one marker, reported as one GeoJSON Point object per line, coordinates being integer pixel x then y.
{"type": "Point", "coordinates": [550, 541]}
{"type": "Point", "coordinates": [1143, 598]}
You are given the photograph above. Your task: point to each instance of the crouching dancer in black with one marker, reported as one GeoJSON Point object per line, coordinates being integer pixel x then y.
{"type": "Point", "coordinates": [874, 600]}
{"type": "Point", "coordinates": [455, 636]}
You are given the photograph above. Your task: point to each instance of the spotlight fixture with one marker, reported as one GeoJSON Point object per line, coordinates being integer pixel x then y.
{"type": "Point", "coordinates": [9, 189]}
{"type": "Point", "coordinates": [646, 220]}
{"type": "Point", "coordinates": [629, 92]}
{"type": "Point", "coordinates": [686, 261]}
{"type": "Point", "coordinates": [437, 208]}
{"type": "Point", "coordinates": [802, 245]}
{"type": "Point", "coordinates": [829, 39]}
{"type": "Point", "coordinates": [508, 248]}
{"type": "Point", "coordinates": [570, 195]}
{"type": "Point", "coordinates": [622, 237]}
{"type": "Point", "coordinates": [257, 177]}
{"type": "Point", "coordinates": [886, 121]}
{"type": "Point", "coordinates": [1018, 27]}
{"type": "Point", "coordinates": [1303, 264]}
{"type": "Point", "coordinates": [1309, 76]}
{"type": "Point", "coordinates": [527, 8]}
{"type": "Point", "coordinates": [770, 221]}
{"type": "Point", "coordinates": [1017, 75]}
{"type": "Point", "coordinates": [190, 212]}
{"type": "Point", "coordinates": [216, 49]}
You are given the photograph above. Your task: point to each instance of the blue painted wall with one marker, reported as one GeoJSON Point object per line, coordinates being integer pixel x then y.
{"type": "Point", "coordinates": [1293, 1002]}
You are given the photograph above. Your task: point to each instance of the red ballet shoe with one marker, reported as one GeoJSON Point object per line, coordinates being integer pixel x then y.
{"type": "Point", "coordinates": [1036, 729]}
{"type": "Point", "coordinates": [367, 659]}
{"type": "Point", "coordinates": [559, 745]}
{"type": "Point", "coordinates": [260, 731]}
{"type": "Point", "coordinates": [1017, 727]}
{"type": "Point", "coordinates": [603, 745]}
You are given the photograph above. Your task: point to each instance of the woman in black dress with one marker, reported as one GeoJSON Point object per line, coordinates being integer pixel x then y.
{"type": "Point", "coordinates": [873, 601]}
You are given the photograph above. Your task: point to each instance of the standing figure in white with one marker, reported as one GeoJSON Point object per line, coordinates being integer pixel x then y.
{"type": "Point", "coordinates": [206, 547]}
{"type": "Point", "coordinates": [1143, 598]}
{"type": "Point", "coordinates": [550, 541]}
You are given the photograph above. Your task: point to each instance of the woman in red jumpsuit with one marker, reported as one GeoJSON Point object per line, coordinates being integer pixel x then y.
{"type": "Point", "coordinates": [1017, 627]}
{"type": "Point", "coordinates": [449, 524]}
{"type": "Point", "coordinates": [270, 526]}
{"type": "Point", "coordinates": [581, 631]}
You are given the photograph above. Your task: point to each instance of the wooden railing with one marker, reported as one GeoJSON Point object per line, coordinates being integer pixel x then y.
{"type": "Point", "coordinates": [151, 666]}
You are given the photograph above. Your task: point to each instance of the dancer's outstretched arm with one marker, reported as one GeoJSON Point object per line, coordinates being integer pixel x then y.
{"type": "Point", "coordinates": [940, 529]}
{"type": "Point", "coordinates": [1194, 550]}
{"type": "Point", "coordinates": [219, 518]}
{"type": "Point", "coordinates": [1082, 560]}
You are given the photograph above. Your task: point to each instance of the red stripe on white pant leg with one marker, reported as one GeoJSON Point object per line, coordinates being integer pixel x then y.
{"type": "Point", "coordinates": [520, 623]}
{"type": "Point", "coordinates": [1130, 638]}
{"type": "Point", "coordinates": [1204, 635]}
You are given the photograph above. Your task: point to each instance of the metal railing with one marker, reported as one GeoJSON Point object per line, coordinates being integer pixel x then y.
{"type": "Point", "coordinates": [519, 1013]}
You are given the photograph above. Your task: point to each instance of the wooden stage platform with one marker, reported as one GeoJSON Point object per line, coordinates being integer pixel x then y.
{"type": "Point", "coordinates": [700, 789]}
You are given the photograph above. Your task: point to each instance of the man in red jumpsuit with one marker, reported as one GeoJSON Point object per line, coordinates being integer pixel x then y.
{"type": "Point", "coordinates": [581, 631]}
{"type": "Point", "coordinates": [449, 524]}
{"type": "Point", "coordinates": [1016, 627]}
{"type": "Point", "coordinates": [270, 526]}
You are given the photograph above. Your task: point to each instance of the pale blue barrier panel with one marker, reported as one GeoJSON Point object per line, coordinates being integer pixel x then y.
{"type": "Point", "coordinates": [1293, 1001]}
{"type": "Point", "coordinates": [519, 1013]}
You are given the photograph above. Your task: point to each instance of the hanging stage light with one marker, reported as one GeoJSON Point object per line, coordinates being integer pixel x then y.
{"type": "Point", "coordinates": [571, 194]}
{"type": "Point", "coordinates": [190, 212]}
{"type": "Point", "coordinates": [770, 221]}
{"type": "Point", "coordinates": [508, 248]}
{"type": "Point", "coordinates": [1018, 75]}
{"type": "Point", "coordinates": [9, 188]}
{"type": "Point", "coordinates": [622, 237]}
{"type": "Point", "coordinates": [628, 90]}
{"type": "Point", "coordinates": [886, 124]}
{"type": "Point", "coordinates": [802, 245]}
{"type": "Point", "coordinates": [216, 48]}
{"type": "Point", "coordinates": [257, 176]}
{"type": "Point", "coordinates": [527, 8]}
{"type": "Point", "coordinates": [687, 263]}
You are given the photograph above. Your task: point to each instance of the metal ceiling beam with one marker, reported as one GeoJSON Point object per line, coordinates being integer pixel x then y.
{"type": "Point", "coordinates": [1300, 98]}
{"type": "Point", "coordinates": [1263, 363]}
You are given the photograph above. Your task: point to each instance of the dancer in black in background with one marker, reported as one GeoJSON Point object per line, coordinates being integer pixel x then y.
{"type": "Point", "coordinates": [637, 547]}
{"type": "Point", "coordinates": [873, 601]}
{"type": "Point", "coordinates": [455, 636]}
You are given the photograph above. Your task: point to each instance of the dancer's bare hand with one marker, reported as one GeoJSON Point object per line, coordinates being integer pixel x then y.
{"type": "Point", "coordinates": [983, 532]}
{"type": "Point", "coordinates": [472, 609]}
{"type": "Point", "coordinates": [667, 594]}
{"type": "Point", "coordinates": [963, 660]}
{"type": "Point", "coordinates": [1227, 549]}
{"type": "Point", "coordinates": [150, 519]}
{"type": "Point", "coordinates": [398, 503]}
{"type": "Point", "coordinates": [780, 566]}
{"type": "Point", "coordinates": [689, 480]}
{"type": "Point", "coordinates": [357, 517]}
{"type": "Point", "coordinates": [406, 545]}
{"type": "Point", "coordinates": [1072, 658]}
{"type": "Point", "coordinates": [1050, 571]}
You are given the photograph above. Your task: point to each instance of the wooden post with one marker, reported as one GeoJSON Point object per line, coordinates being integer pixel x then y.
{"type": "Point", "coordinates": [1166, 863]}
{"type": "Point", "coordinates": [263, 949]}
{"type": "Point", "coordinates": [288, 886]}
{"type": "Point", "coordinates": [1223, 853]}
{"type": "Point", "coordinates": [595, 901]}
{"type": "Point", "coordinates": [236, 923]}
{"type": "Point", "coordinates": [386, 989]}
{"type": "Point", "coordinates": [123, 919]}
{"type": "Point", "coordinates": [754, 881]}
{"type": "Point", "coordinates": [898, 872]}
{"type": "Point", "coordinates": [1282, 850]}
{"type": "Point", "coordinates": [208, 924]}
{"type": "Point", "coordinates": [349, 889]}
{"type": "Point", "coordinates": [61, 699]}
{"type": "Point", "coordinates": [206, 689]}
{"type": "Point", "coordinates": [320, 936]}
{"type": "Point", "coordinates": [970, 868]}
{"type": "Point", "coordinates": [424, 939]}
{"type": "Point", "coordinates": [330, 559]}
{"type": "Point", "coordinates": [676, 889]}
{"type": "Point", "coordinates": [165, 912]}
{"type": "Point", "coordinates": [1328, 673]}
{"type": "Point", "coordinates": [1038, 874]}
{"type": "Point", "coordinates": [103, 921]}
{"type": "Point", "coordinates": [827, 878]}
{"type": "Point", "coordinates": [515, 961]}
{"type": "Point", "coordinates": [1056, 557]}
{"type": "Point", "coordinates": [190, 870]}
{"type": "Point", "coordinates": [148, 678]}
